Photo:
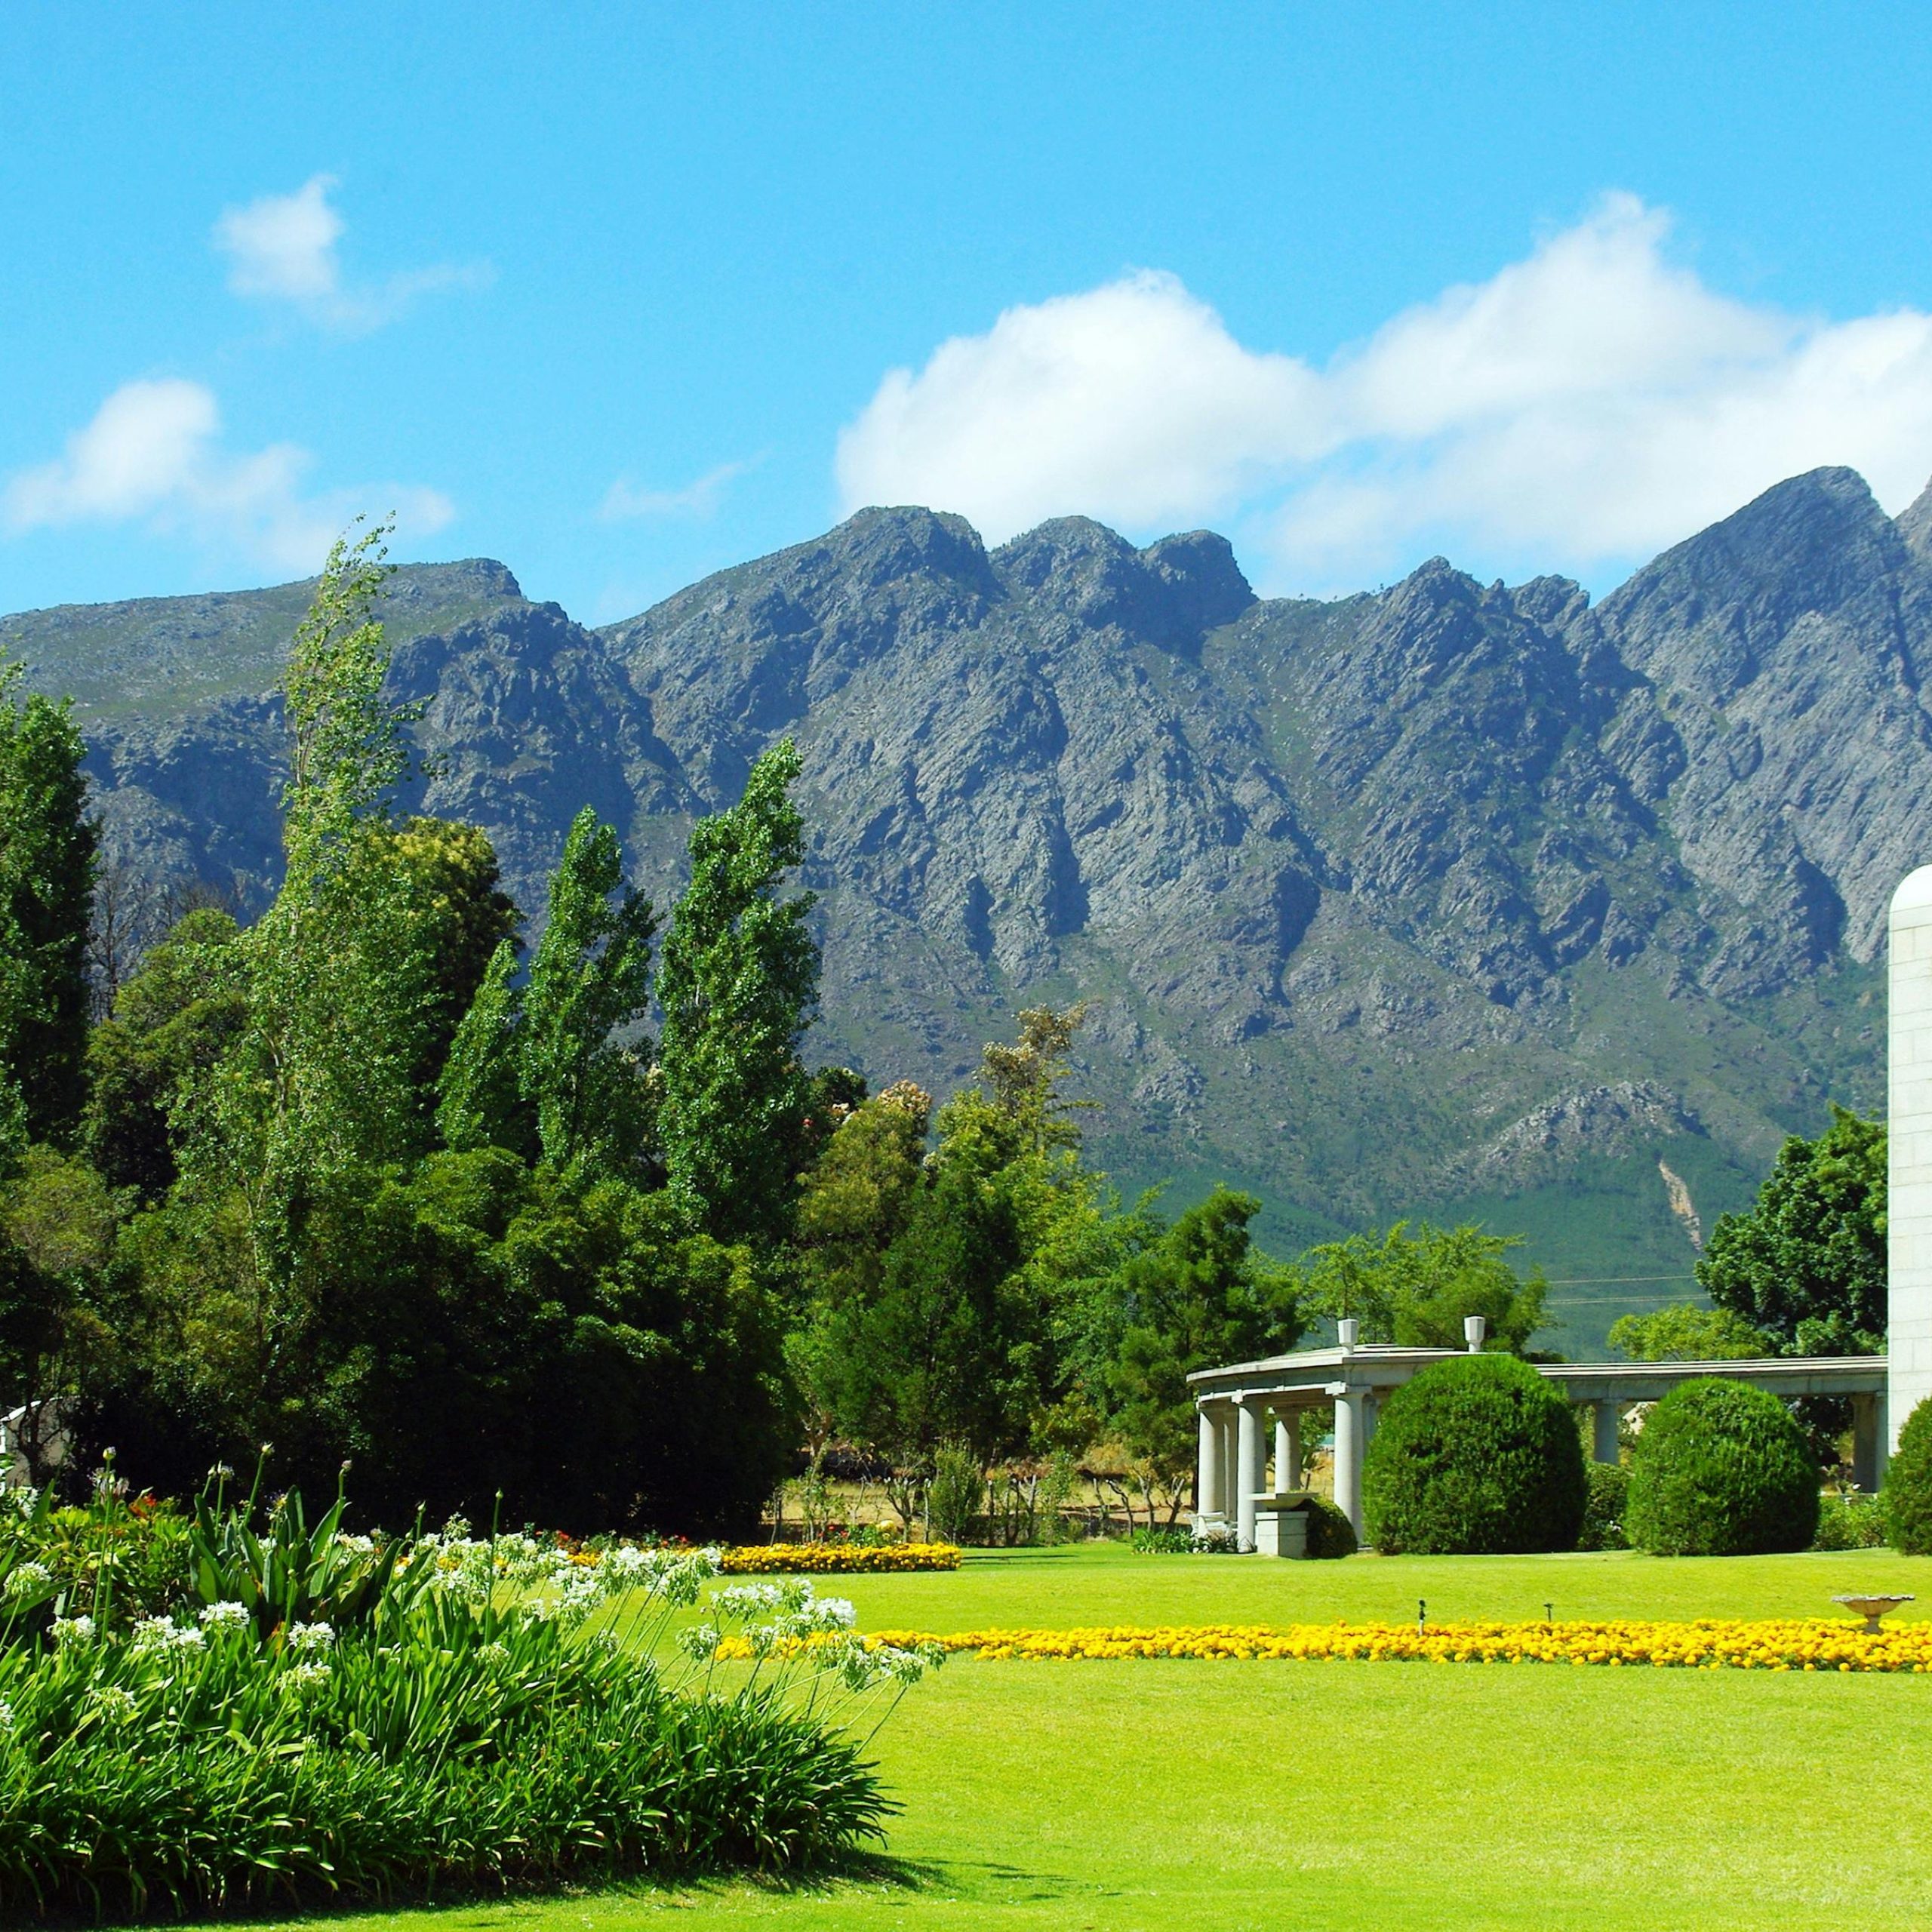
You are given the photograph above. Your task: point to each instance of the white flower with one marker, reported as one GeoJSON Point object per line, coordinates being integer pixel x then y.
{"type": "Point", "coordinates": [6, 1717]}
{"type": "Point", "coordinates": [159, 1633]}
{"type": "Point", "coordinates": [226, 1615]}
{"type": "Point", "coordinates": [26, 1576]}
{"type": "Point", "coordinates": [112, 1701]}
{"type": "Point", "coordinates": [305, 1676]}
{"type": "Point", "coordinates": [494, 1653]}
{"type": "Point", "coordinates": [76, 1630]}
{"type": "Point", "coordinates": [361, 1546]}
{"type": "Point", "coordinates": [310, 1639]}
{"type": "Point", "coordinates": [749, 1599]}
{"type": "Point", "coordinates": [700, 1641]}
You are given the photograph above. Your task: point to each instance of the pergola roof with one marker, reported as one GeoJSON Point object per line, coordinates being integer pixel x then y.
{"type": "Point", "coordinates": [1316, 1375]}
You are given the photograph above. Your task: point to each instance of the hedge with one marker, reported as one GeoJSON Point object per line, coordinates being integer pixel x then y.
{"type": "Point", "coordinates": [1721, 1470]}
{"type": "Point", "coordinates": [1478, 1455]}
{"type": "Point", "coordinates": [1907, 1494]}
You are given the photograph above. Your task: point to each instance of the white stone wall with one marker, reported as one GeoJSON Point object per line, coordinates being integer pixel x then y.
{"type": "Point", "coordinates": [1909, 1186]}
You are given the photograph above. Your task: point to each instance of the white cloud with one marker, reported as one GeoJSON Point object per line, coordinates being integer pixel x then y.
{"type": "Point", "coordinates": [1132, 402]}
{"type": "Point", "coordinates": [153, 455]}
{"type": "Point", "coordinates": [697, 498]}
{"type": "Point", "coordinates": [282, 247]}
{"type": "Point", "coordinates": [1585, 406]}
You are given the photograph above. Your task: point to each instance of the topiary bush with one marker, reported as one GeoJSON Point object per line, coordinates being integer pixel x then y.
{"type": "Point", "coordinates": [1721, 1470]}
{"type": "Point", "coordinates": [1907, 1494]}
{"type": "Point", "coordinates": [1603, 1511]}
{"type": "Point", "coordinates": [1329, 1532]}
{"type": "Point", "coordinates": [1479, 1455]}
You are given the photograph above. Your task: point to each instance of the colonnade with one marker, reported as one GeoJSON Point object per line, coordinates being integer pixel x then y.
{"type": "Point", "coordinates": [1232, 1481]}
{"type": "Point", "coordinates": [1238, 1478]}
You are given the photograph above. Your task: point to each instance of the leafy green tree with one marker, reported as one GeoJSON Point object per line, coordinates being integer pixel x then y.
{"type": "Point", "coordinates": [59, 1223]}
{"type": "Point", "coordinates": [489, 1328]}
{"type": "Point", "coordinates": [461, 913]}
{"type": "Point", "coordinates": [172, 1020]}
{"type": "Point", "coordinates": [1023, 1081]}
{"type": "Point", "coordinates": [322, 1085]}
{"type": "Point", "coordinates": [47, 847]}
{"type": "Point", "coordinates": [1414, 1289]}
{"type": "Point", "coordinates": [1202, 1295]}
{"type": "Point", "coordinates": [852, 1207]}
{"type": "Point", "coordinates": [738, 985]}
{"type": "Point", "coordinates": [947, 1349]}
{"type": "Point", "coordinates": [1687, 1333]}
{"type": "Point", "coordinates": [590, 977]}
{"type": "Point", "coordinates": [340, 976]}
{"type": "Point", "coordinates": [1807, 1263]}
{"type": "Point", "coordinates": [481, 1100]}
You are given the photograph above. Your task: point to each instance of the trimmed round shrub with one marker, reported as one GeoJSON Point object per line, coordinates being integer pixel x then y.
{"type": "Point", "coordinates": [1907, 1494]}
{"type": "Point", "coordinates": [1721, 1470]}
{"type": "Point", "coordinates": [1477, 1456]}
{"type": "Point", "coordinates": [1604, 1512]}
{"type": "Point", "coordinates": [1329, 1532]}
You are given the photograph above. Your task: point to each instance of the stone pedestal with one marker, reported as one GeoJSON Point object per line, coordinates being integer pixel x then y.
{"type": "Point", "coordinates": [1280, 1524]}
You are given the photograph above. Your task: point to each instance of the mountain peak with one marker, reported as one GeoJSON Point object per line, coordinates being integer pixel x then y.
{"type": "Point", "coordinates": [1914, 524]}
{"type": "Point", "coordinates": [1168, 594]}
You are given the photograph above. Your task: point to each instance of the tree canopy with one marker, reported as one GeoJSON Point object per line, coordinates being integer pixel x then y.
{"type": "Point", "coordinates": [1414, 1286]}
{"type": "Point", "coordinates": [1806, 1264]}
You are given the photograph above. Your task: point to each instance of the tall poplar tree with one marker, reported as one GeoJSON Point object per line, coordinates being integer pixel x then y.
{"type": "Point", "coordinates": [324, 1082]}
{"type": "Point", "coordinates": [738, 985]}
{"type": "Point", "coordinates": [590, 978]}
{"type": "Point", "coordinates": [47, 846]}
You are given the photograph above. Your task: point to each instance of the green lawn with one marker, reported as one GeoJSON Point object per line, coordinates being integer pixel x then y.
{"type": "Point", "coordinates": [1137, 1796]}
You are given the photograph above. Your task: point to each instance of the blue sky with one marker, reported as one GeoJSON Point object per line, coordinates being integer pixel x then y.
{"type": "Point", "coordinates": [621, 295]}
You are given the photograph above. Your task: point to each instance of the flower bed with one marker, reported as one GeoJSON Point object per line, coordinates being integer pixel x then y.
{"type": "Point", "coordinates": [829, 1559]}
{"type": "Point", "coordinates": [1711, 1644]}
{"type": "Point", "coordinates": [323, 1717]}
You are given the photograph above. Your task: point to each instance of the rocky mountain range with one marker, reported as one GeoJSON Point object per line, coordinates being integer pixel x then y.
{"type": "Point", "coordinates": [1449, 899]}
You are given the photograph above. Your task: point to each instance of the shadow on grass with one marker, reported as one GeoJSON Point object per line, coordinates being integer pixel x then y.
{"type": "Point", "coordinates": [973, 1880]}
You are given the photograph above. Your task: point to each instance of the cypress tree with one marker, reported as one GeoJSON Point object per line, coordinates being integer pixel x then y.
{"type": "Point", "coordinates": [590, 977]}
{"type": "Point", "coordinates": [48, 848]}
{"type": "Point", "coordinates": [738, 985]}
{"type": "Point", "coordinates": [481, 1105]}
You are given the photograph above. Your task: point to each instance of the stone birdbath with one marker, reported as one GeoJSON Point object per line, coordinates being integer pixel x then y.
{"type": "Point", "coordinates": [1872, 1608]}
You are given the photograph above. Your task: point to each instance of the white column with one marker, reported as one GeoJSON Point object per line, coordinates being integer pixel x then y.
{"type": "Point", "coordinates": [1288, 1451]}
{"type": "Point", "coordinates": [1605, 1417]}
{"type": "Point", "coordinates": [1348, 1457]}
{"type": "Point", "coordinates": [1867, 1442]}
{"type": "Point", "coordinates": [1208, 1471]}
{"type": "Point", "coordinates": [1248, 1455]}
{"type": "Point", "coordinates": [1909, 1201]}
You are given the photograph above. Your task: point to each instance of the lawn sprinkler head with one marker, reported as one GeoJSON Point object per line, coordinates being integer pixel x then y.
{"type": "Point", "coordinates": [1872, 1608]}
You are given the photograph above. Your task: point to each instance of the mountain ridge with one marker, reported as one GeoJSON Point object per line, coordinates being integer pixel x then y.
{"type": "Point", "coordinates": [1447, 897]}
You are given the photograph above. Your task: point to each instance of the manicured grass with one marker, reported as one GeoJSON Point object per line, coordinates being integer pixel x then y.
{"type": "Point", "coordinates": [1143, 1797]}
{"type": "Point", "coordinates": [1107, 1583]}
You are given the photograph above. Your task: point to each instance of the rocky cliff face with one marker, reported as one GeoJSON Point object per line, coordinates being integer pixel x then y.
{"type": "Point", "coordinates": [1451, 899]}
